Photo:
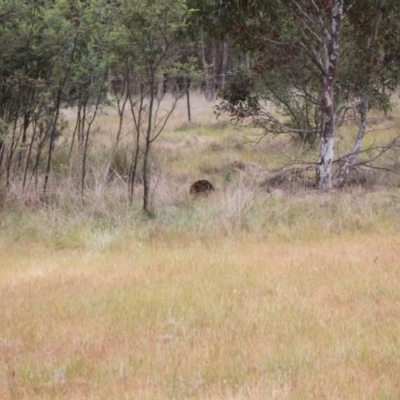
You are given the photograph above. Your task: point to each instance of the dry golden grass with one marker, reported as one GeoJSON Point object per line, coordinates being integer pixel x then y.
{"type": "Point", "coordinates": [247, 294]}
{"type": "Point", "coordinates": [232, 319]}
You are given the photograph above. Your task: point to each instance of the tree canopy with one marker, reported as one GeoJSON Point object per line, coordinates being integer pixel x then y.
{"type": "Point", "coordinates": [317, 61]}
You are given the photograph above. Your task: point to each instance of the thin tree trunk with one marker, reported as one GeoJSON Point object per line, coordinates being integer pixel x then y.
{"type": "Point", "coordinates": [2, 145]}
{"type": "Point", "coordinates": [55, 119]}
{"type": "Point", "coordinates": [146, 154]}
{"type": "Point", "coordinates": [328, 123]}
{"type": "Point", "coordinates": [352, 158]}
{"type": "Point", "coordinates": [202, 50]}
{"type": "Point", "coordinates": [28, 158]}
{"type": "Point", "coordinates": [224, 63]}
{"type": "Point", "coordinates": [27, 121]}
{"type": "Point", "coordinates": [133, 170]}
{"type": "Point", "coordinates": [211, 82]}
{"type": "Point", "coordinates": [137, 120]}
{"type": "Point", "coordinates": [13, 145]}
{"type": "Point", "coordinates": [187, 84]}
{"type": "Point", "coordinates": [82, 126]}
{"type": "Point", "coordinates": [87, 134]}
{"type": "Point", "coordinates": [121, 112]}
{"type": "Point", "coordinates": [76, 129]}
{"type": "Point", "coordinates": [121, 107]}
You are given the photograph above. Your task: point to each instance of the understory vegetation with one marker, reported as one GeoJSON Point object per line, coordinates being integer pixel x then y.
{"type": "Point", "coordinates": [258, 189]}
{"type": "Point", "coordinates": [266, 288]}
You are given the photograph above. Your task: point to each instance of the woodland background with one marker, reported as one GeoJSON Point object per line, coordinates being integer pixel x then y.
{"type": "Point", "coordinates": [300, 70]}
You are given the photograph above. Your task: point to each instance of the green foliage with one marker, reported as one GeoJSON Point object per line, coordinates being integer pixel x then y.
{"type": "Point", "coordinates": [246, 96]}
{"type": "Point", "coordinates": [289, 43]}
{"type": "Point", "coordinates": [241, 88]}
{"type": "Point", "coordinates": [58, 53]}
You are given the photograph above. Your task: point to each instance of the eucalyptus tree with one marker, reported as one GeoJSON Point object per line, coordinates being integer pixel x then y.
{"type": "Point", "coordinates": [316, 60]}
{"type": "Point", "coordinates": [88, 83]}
{"type": "Point", "coordinates": [372, 70]}
{"type": "Point", "coordinates": [51, 56]}
{"type": "Point", "coordinates": [61, 34]}
{"type": "Point", "coordinates": [212, 48]}
{"type": "Point", "coordinates": [22, 74]}
{"type": "Point", "coordinates": [39, 43]}
{"type": "Point", "coordinates": [146, 36]}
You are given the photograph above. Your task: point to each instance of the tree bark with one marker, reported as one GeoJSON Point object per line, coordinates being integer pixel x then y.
{"type": "Point", "coordinates": [352, 157]}
{"type": "Point", "coordinates": [137, 119]}
{"type": "Point", "coordinates": [121, 104]}
{"type": "Point", "coordinates": [202, 50]}
{"type": "Point", "coordinates": [187, 85]}
{"type": "Point", "coordinates": [224, 63]}
{"type": "Point", "coordinates": [146, 154]}
{"type": "Point", "coordinates": [56, 115]}
{"type": "Point", "coordinates": [212, 82]}
{"type": "Point", "coordinates": [328, 120]}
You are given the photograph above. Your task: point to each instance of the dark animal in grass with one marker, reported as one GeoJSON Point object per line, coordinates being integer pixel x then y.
{"type": "Point", "coordinates": [202, 187]}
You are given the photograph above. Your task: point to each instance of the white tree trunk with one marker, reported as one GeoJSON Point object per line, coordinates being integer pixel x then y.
{"type": "Point", "coordinates": [351, 159]}
{"type": "Point", "coordinates": [330, 65]}
{"type": "Point", "coordinates": [355, 151]}
{"type": "Point", "coordinates": [324, 166]}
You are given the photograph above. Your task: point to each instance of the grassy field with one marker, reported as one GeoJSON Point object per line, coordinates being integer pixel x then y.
{"type": "Point", "coordinates": [251, 293]}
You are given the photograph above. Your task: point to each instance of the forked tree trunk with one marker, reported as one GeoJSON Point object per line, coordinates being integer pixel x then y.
{"type": "Point", "coordinates": [328, 123]}
{"type": "Point", "coordinates": [355, 151]}
{"type": "Point", "coordinates": [121, 104]}
{"type": "Point", "coordinates": [137, 119]}
{"type": "Point", "coordinates": [89, 123]}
